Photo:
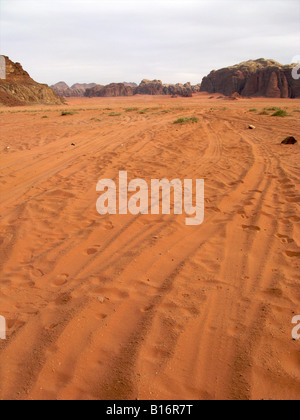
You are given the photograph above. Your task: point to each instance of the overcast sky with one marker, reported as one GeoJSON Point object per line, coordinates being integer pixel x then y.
{"type": "Point", "coordinates": [118, 40]}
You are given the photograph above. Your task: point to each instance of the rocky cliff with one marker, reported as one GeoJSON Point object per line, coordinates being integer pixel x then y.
{"type": "Point", "coordinates": [146, 87]}
{"type": "Point", "coordinates": [18, 88]}
{"type": "Point", "coordinates": [77, 90]}
{"type": "Point", "coordinates": [113, 89]}
{"type": "Point", "coordinates": [156, 87]}
{"type": "Point", "coordinates": [254, 78]}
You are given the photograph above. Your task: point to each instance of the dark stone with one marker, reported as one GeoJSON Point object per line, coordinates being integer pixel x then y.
{"type": "Point", "coordinates": [289, 140]}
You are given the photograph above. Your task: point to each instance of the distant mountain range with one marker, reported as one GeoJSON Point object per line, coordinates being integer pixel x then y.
{"type": "Point", "coordinates": [146, 87]}
{"type": "Point", "coordinates": [253, 78]}
{"type": "Point", "coordinates": [78, 89]}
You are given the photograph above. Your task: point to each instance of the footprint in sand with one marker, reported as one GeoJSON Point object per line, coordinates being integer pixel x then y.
{"type": "Point", "coordinates": [284, 181]}
{"type": "Point", "coordinates": [35, 272]}
{"type": "Point", "coordinates": [293, 199]}
{"type": "Point", "coordinates": [251, 227]}
{"type": "Point", "coordinates": [147, 308]}
{"type": "Point", "coordinates": [101, 316]}
{"type": "Point", "coordinates": [51, 327]}
{"type": "Point", "coordinates": [60, 280]}
{"type": "Point", "coordinates": [91, 251]}
{"type": "Point", "coordinates": [14, 323]}
{"type": "Point", "coordinates": [108, 226]}
{"type": "Point", "coordinates": [274, 292]}
{"type": "Point", "coordinates": [63, 299]}
{"type": "Point", "coordinates": [98, 280]}
{"type": "Point", "coordinates": [292, 254]}
{"type": "Point", "coordinates": [242, 214]}
{"type": "Point", "coordinates": [284, 239]}
{"type": "Point", "coordinates": [286, 186]}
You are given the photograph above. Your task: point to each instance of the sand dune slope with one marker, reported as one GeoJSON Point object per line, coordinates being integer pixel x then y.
{"type": "Point", "coordinates": [108, 307]}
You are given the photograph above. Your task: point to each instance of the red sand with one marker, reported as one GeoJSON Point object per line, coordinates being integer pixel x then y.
{"type": "Point", "coordinates": [198, 312]}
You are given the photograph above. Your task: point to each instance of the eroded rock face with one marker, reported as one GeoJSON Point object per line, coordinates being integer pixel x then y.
{"type": "Point", "coordinates": [18, 88]}
{"type": "Point", "coordinates": [131, 84]}
{"type": "Point", "coordinates": [146, 87]}
{"type": "Point", "coordinates": [150, 87]}
{"type": "Point", "coordinates": [254, 78]}
{"type": "Point", "coordinates": [77, 90]}
{"type": "Point", "coordinates": [113, 89]}
{"type": "Point", "coordinates": [156, 87]}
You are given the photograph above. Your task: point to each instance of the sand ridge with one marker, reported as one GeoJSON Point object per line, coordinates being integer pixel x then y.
{"type": "Point", "coordinates": [110, 307]}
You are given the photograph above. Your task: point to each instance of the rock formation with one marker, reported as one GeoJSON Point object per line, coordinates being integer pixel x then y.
{"type": "Point", "coordinates": [253, 78]}
{"type": "Point", "coordinates": [150, 87]}
{"type": "Point", "coordinates": [131, 84]}
{"type": "Point", "coordinates": [77, 90]}
{"type": "Point", "coordinates": [18, 88]}
{"type": "Point", "coordinates": [114, 89]}
{"type": "Point", "coordinates": [146, 87]}
{"type": "Point", "coordinates": [156, 87]}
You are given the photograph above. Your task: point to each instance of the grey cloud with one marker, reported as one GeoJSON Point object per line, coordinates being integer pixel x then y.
{"type": "Point", "coordinates": [118, 40]}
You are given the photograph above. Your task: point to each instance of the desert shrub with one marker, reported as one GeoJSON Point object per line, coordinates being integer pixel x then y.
{"type": "Point", "coordinates": [131, 109]}
{"type": "Point", "coordinates": [186, 120]}
{"type": "Point", "coordinates": [64, 113]}
{"type": "Point", "coordinates": [253, 110]}
{"type": "Point", "coordinates": [280, 113]}
{"type": "Point", "coordinates": [44, 116]}
{"type": "Point", "coordinates": [273, 108]}
{"type": "Point", "coordinates": [264, 112]}
{"type": "Point", "coordinates": [114, 114]}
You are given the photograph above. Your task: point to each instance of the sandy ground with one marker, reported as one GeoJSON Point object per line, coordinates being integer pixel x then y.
{"type": "Point", "coordinates": [198, 312]}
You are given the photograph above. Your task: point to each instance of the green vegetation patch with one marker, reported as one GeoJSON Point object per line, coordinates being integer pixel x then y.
{"type": "Point", "coordinates": [280, 113]}
{"type": "Point", "coordinates": [186, 120]}
{"type": "Point", "coordinates": [115, 114]}
{"type": "Point", "coordinates": [64, 113]}
{"type": "Point", "coordinates": [131, 109]}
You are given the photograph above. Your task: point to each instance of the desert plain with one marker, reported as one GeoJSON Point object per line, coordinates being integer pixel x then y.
{"type": "Point", "coordinates": [145, 307]}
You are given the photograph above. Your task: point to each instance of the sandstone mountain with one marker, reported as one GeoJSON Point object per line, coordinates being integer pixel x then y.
{"type": "Point", "coordinates": [77, 90]}
{"type": "Point", "coordinates": [131, 84]}
{"type": "Point", "coordinates": [113, 89]}
{"type": "Point", "coordinates": [156, 87]}
{"type": "Point", "coordinates": [18, 88]}
{"type": "Point", "coordinates": [146, 87]}
{"type": "Point", "coordinates": [253, 78]}
{"type": "Point", "coordinates": [150, 87]}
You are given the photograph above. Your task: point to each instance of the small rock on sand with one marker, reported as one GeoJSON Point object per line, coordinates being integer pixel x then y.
{"type": "Point", "coordinates": [289, 140]}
